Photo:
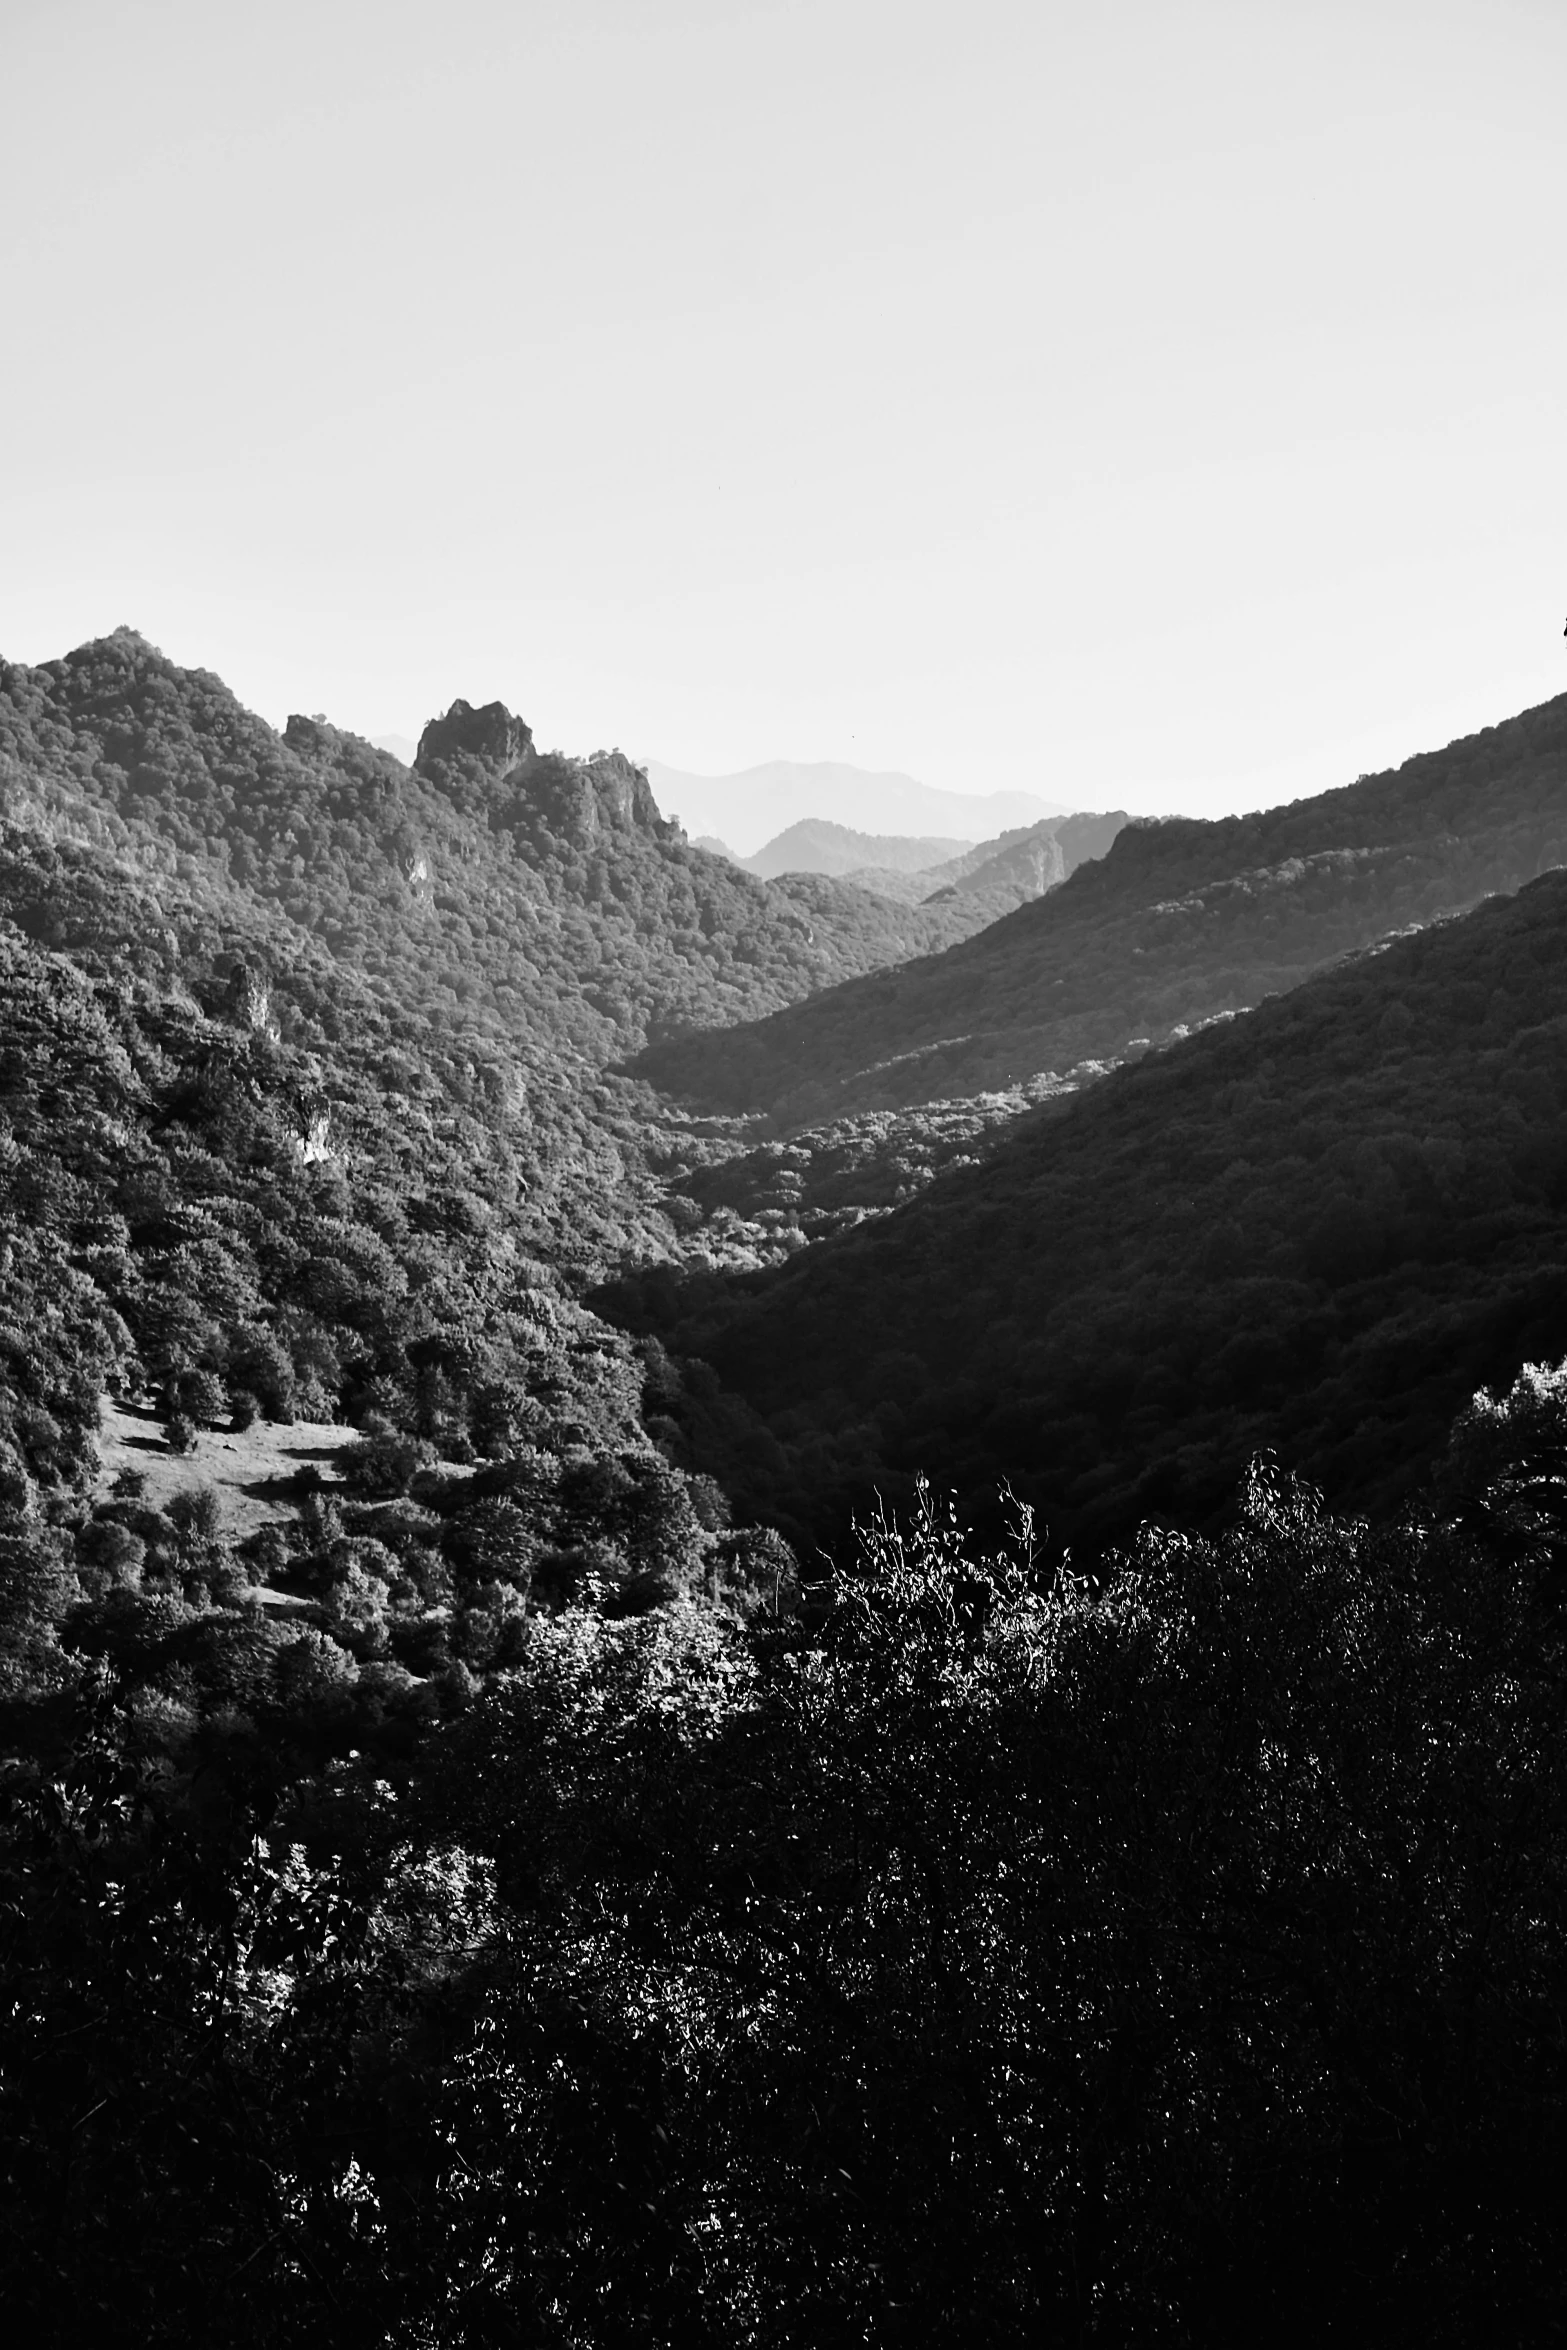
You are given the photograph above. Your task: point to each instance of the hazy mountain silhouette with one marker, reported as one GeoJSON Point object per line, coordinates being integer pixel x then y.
{"type": "Point", "coordinates": [748, 809]}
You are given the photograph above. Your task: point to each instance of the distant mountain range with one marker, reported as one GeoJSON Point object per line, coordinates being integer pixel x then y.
{"type": "Point", "coordinates": [1181, 921]}
{"type": "Point", "coordinates": [1018, 865]}
{"type": "Point", "coordinates": [771, 819]}
{"type": "Point", "coordinates": [749, 809]}
{"type": "Point", "coordinates": [1007, 872]}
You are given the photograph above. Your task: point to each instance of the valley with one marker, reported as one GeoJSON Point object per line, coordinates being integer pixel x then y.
{"type": "Point", "coordinates": [621, 1478]}
{"type": "Point", "coordinates": [493, 1005]}
{"type": "Point", "coordinates": [783, 1177]}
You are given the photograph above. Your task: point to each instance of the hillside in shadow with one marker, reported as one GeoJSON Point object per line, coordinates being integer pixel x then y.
{"type": "Point", "coordinates": [1313, 1229]}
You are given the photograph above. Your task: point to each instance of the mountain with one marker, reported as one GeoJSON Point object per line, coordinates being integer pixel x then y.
{"type": "Point", "coordinates": [749, 808]}
{"type": "Point", "coordinates": [401, 747]}
{"type": "Point", "coordinates": [458, 1885]}
{"type": "Point", "coordinates": [815, 846]}
{"type": "Point", "coordinates": [527, 892]}
{"type": "Point", "coordinates": [1316, 1228]}
{"type": "Point", "coordinates": [1007, 872]}
{"type": "Point", "coordinates": [1179, 922]}
{"type": "Point", "coordinates": [284, 1137]}
{"type": "Point", "coordinates": [1030, 860]}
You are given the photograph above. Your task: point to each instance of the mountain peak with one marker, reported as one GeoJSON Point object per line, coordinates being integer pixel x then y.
{"type": "Point", "coordinates": [470, 752]}
{"type": "Point", "coordinates": [491, 736]}
{"type": "Point", "coordinates": [126, 648]}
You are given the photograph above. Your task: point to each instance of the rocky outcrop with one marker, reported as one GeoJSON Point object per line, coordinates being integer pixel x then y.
{"type": "Point", "coordinates": [487, 758]}
{"type": "Point", "coordinates": [491, 738]}
{"type": "Point", "coordinates": [582, 799]}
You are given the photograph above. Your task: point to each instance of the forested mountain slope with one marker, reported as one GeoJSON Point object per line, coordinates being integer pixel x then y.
{"type": "Point", "coordinates": [1029, 862]}
{"type": "Point", "coordinates": [1315, 1228]}
{"type": "Point", "coordinates": [1007, 871]}
{"type": "Point", "coordinates": [520, 890]}
{"type": "Point", "coordinates": [490, 1896]}
{"type": "Point", "coordinates": [223, 1199]}
{"type": "Point", "coordinates": [1180, 920]}
{"type": "Point", "coordinates": [816, 845]}
{"type": "Point", "coordinates": [268, 1188]}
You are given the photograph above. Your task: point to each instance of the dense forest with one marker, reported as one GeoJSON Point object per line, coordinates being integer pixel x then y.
{"type": "Point", "coordinates": [496, 885]}
{"type": "Point", "coordinates": [627, 1721]}
{"type": "Point", "coordinates": [1318, 1229]}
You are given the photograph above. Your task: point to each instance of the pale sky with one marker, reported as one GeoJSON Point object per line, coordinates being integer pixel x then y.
{"type": "Point", "coordinates": [1157, 404]}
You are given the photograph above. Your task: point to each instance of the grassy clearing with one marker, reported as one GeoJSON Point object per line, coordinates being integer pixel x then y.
{"type": "Point", "coordinates": [256, 1472]}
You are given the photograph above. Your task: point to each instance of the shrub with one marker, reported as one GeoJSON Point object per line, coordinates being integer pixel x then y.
{"type": "Point", "coordinates": [230, 1584]}
{"type": "Point", "coordinates": [198, 1512]}
{"type": "Point", "coordinates": [16, 1491]}
{"type": "Point", "coordinates": [385, 1460]}
{"type": "Point", "coordinates": [113, 1549]}
{"type": "Point", "coordinates": [203, 1396]}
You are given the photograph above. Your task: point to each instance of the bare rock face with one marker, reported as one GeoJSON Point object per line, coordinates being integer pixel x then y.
{"type": "Point", "coordinates": [248, 1000]}
{"type": "Point", "coordinates": [607, 793]}
{"type": "Point", "coordinates": [583, 800]}
{"type": "Point", "coordinates": [490, 737]}
{"type": "Point", "coordinates": [489, 755]}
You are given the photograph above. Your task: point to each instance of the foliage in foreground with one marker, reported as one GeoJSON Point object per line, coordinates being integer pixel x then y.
{"type": "Point", "coordinates": [1170, 1958]}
